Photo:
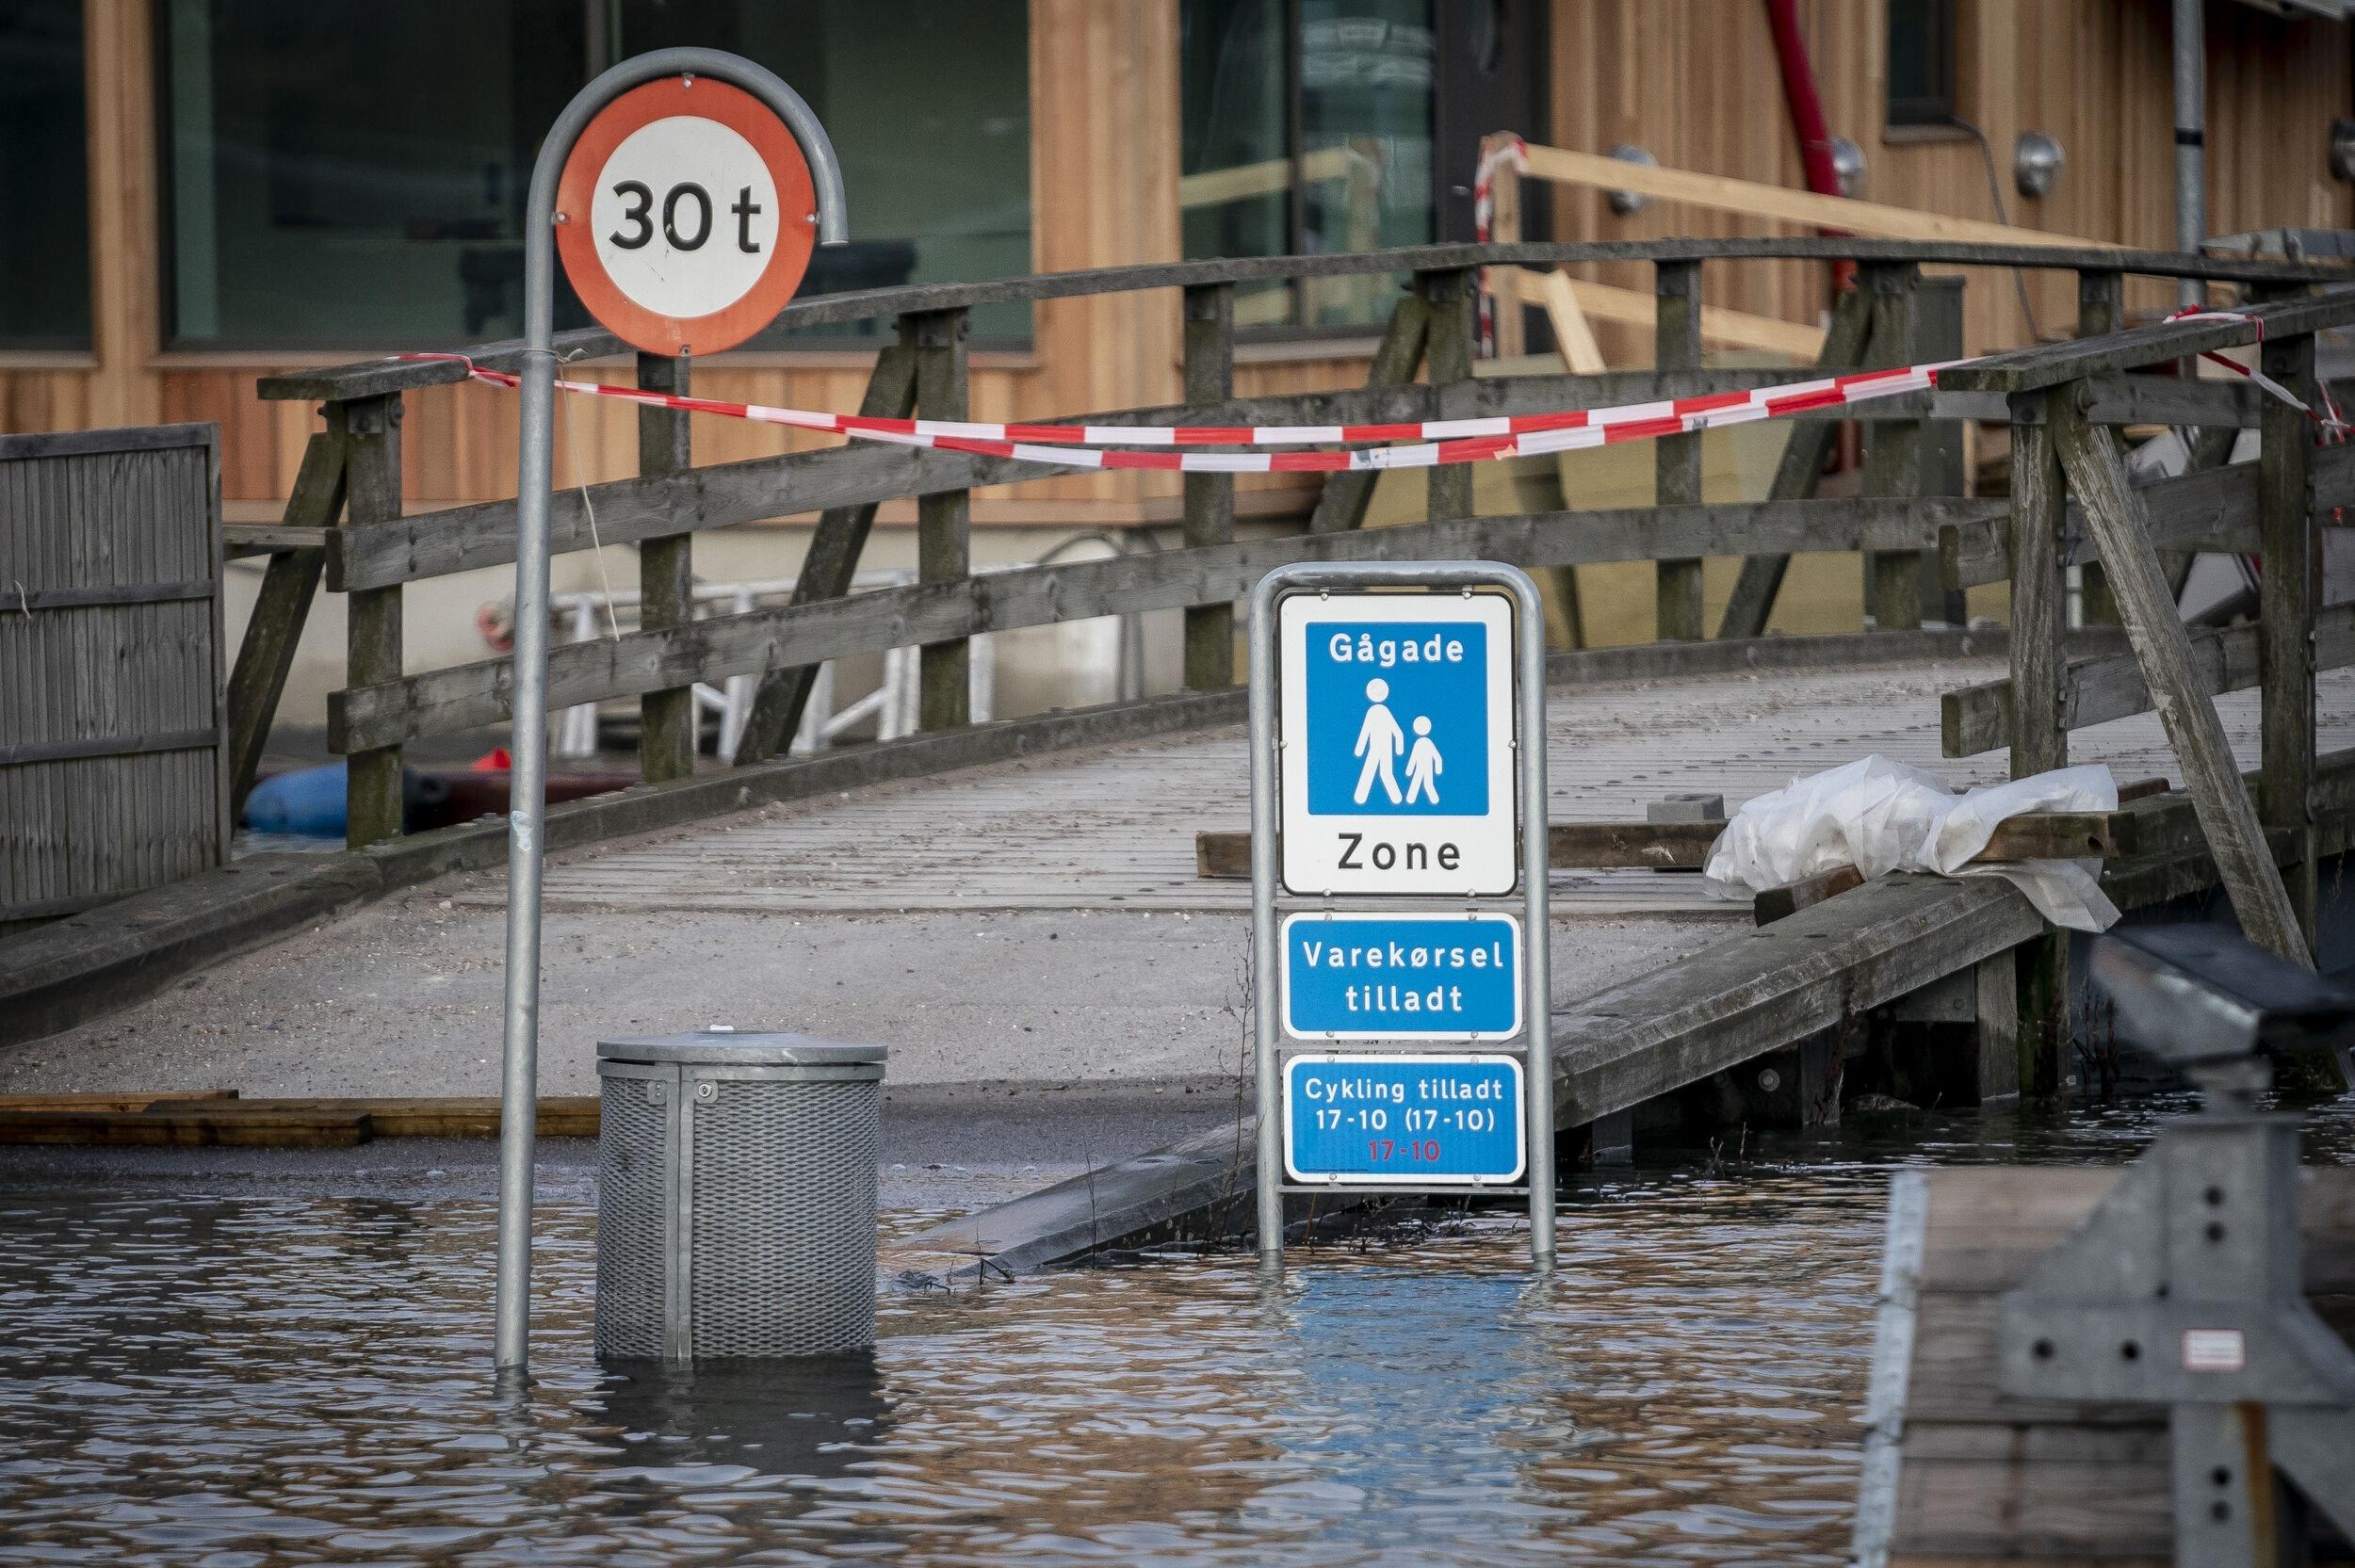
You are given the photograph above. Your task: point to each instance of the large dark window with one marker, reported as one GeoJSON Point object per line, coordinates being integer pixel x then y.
{"type": "Point", "coordinates": [1921, 62]}
{"type": "Point", "coordinates": [44, 183]}
{"type": "Point", "coordinates": [1307, 127]}
{"type": "Point", "coordinates": [353, 176]}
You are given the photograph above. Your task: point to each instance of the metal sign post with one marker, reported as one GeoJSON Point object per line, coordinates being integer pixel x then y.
{"type": "Point", "coordinates": [1398, 751]}
{"type": "Point", "coordinates": [691, 320]}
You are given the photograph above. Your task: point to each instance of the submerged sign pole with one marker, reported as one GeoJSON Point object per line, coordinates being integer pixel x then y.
{"type": "Point", "coordinates": [672, 313]}
{"type": "Point", "coordinates": [1398, 753]}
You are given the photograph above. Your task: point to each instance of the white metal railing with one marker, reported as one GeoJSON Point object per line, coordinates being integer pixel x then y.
{"type": "Point", "coordinates": [582, 616]}
{"type": "Point", "coordinates": [892, 705]}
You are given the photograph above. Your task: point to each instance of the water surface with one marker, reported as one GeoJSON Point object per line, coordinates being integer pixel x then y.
{"type": "Point", "coordinates": [263, 1375]}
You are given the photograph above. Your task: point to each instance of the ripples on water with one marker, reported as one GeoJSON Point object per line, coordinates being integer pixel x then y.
{"type": "Point", "coordinates": [243, 1380]}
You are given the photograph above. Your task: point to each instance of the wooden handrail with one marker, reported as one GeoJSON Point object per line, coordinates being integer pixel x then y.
{"type": "Point", "coordinates": [721, 495]}
{"type": "Point", "coordinates": [2210, 511]}
{"type": "Point", "coordinates": [1977, 718]}
{"type": "Point", "coordinates": [371, 377]}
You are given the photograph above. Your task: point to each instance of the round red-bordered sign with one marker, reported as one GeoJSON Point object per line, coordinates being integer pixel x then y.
{"type": "Point", "coordinates": [685, 216]}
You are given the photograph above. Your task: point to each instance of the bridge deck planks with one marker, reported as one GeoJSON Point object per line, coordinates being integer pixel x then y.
{"type": "Point", "coordinates": [1113, 828]}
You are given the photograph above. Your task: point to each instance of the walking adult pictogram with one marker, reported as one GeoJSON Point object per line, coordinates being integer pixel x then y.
{"type": "Point", "coordinates": [1379, 741]}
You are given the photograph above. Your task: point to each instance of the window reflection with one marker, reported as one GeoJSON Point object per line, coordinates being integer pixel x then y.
{"type": "Point", "coordinates": [44, 206]}
{"type": "Point", "coordinates": [345, 176]}
{"type": "Point", "coordinates": [1307, 126]}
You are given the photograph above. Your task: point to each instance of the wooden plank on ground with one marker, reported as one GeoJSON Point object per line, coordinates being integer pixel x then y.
{"type": "Point", "coordinates": [217, 1117]}
{"type": "Point", "coordinates": [122, 1101]}
{"type": "Point", "coordinates": [213, 1126]}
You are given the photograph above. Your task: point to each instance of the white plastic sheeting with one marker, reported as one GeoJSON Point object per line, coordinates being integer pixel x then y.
{"type": "Point", "coordinates": [1880, 816]}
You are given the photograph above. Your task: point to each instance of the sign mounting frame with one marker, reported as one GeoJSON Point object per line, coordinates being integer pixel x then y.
{"type": "Point", "coordinates": [1416, 586]}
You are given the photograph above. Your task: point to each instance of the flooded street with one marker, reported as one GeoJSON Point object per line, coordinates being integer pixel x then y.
{"type": "Point", "coordinates": [255, 1376]}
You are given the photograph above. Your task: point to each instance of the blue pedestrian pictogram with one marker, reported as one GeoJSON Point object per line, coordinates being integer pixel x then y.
{"type": "Point", "coordinates": [1397, 718]}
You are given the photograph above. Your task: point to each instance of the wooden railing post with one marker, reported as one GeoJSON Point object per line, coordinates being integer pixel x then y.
{"type": "Point", "coordinates": [944, 523]}
{"type": "Point", "coordinates": [1845, 345]}
{"type": "Point", "coordinates": [1504, 227]}
{"type": "Point", "coordinates": [666, 577]}
{"type": "Point", "coordinates": [1210, 341]}
{"type": "Point", "coordinates": [1341, 505]}
{"type": "Point", "coordinates": [372, 636]}
{"type": "Point", "coordinates": [289, 584]}
{"type": "Point", "coordinates": [1937, 338]}
{"type": "Point", "coordinates": [2288, 593]}
{"type": "Point", "coordinates": [1450, 306]}
{"type": "Point", "coordinates": [830, 562]}
{"type": "Point", "coordinates": [1676, 345]}
{"type": "Point", "coordinates": [1893, 447]}
{"type": "Point", "coordinates": [2038, 740]}
{"type": "Point", "coordinates": [2101, 309]}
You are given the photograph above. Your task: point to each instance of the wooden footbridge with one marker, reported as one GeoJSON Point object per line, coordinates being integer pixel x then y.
{"type": "Point", "coordinates": [2073, 504]}
{"type": "Point", "coordinates": [1126, 806]}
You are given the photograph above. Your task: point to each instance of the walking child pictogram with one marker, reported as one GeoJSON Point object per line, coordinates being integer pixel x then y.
{"type": "Point", "coordinates": [1423, 765]}
{"type": "Point", "coordinates": [1379, 741]}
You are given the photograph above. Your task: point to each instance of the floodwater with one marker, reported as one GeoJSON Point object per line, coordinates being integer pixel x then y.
{"type": "Point", "coordinates": [249, 1377]}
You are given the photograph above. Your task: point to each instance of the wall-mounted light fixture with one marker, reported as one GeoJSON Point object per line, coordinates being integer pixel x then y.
{"type": "Point", "coordinates": [2037, 162]}
{"type": "Point", "coordinates": [1847, 166]}
{"type": "Point", "coordinates": [2343, 150]}
{"type": "Point", "coordinates": [1628, 202]}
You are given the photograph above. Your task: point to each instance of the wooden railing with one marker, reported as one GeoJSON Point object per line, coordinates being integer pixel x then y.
{"type": "Point", "coordinates": [343, 521]}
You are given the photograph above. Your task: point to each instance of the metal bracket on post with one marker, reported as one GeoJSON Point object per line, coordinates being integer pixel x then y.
{"type": "Point", "coordinates": [519, 1061]}
{"type": "Point", "coordinates": [2184, 1288]}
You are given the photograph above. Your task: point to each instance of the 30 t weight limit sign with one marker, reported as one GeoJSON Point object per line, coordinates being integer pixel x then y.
{"type": "Point", "coordinates": [685, 216]}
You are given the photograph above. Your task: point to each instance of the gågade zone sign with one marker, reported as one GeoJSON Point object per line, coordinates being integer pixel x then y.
{"type": "Point", "coordinates": [1397, 735]}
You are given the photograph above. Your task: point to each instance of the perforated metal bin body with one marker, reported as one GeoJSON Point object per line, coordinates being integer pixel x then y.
{"type": "Point", "coordinates": [736, 1195]}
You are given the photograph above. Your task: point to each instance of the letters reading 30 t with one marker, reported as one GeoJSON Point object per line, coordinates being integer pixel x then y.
{"type": "Point", "coordinates": [686, 193]}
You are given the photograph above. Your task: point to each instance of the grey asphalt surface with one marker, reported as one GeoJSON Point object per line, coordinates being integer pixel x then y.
{"type": "Point", "coordinates": [404, 998]}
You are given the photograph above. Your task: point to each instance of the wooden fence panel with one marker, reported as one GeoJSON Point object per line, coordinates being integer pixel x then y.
{"type": "Point", "coordinates": [113, 754]}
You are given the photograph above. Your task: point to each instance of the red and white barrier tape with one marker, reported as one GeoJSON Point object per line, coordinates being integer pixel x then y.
{"type": "Point", "coordinates": [1509, 150]}
{"type": "Point", "coordinates": [2333, 427]}
{"type": "Point", "coordinates": [1434, 442]}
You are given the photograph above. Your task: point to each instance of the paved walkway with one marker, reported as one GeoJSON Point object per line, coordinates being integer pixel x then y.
{"type": "Point", "coordinates": [1007, 930]}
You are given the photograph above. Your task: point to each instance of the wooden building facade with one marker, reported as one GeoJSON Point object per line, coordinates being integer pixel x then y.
{"type": "Point", "coordinates": [1148, 130]}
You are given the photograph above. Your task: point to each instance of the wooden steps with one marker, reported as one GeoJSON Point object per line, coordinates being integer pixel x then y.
{"type": "Point", "coordinates": [218, 1118]}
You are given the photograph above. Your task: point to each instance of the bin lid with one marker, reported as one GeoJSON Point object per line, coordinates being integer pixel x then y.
{"type": "Point", "coordinates": [722, 1045]}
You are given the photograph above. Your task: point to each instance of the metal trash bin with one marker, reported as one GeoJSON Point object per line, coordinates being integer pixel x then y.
{"type": "Point", "coordinates": [736, 1195]}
